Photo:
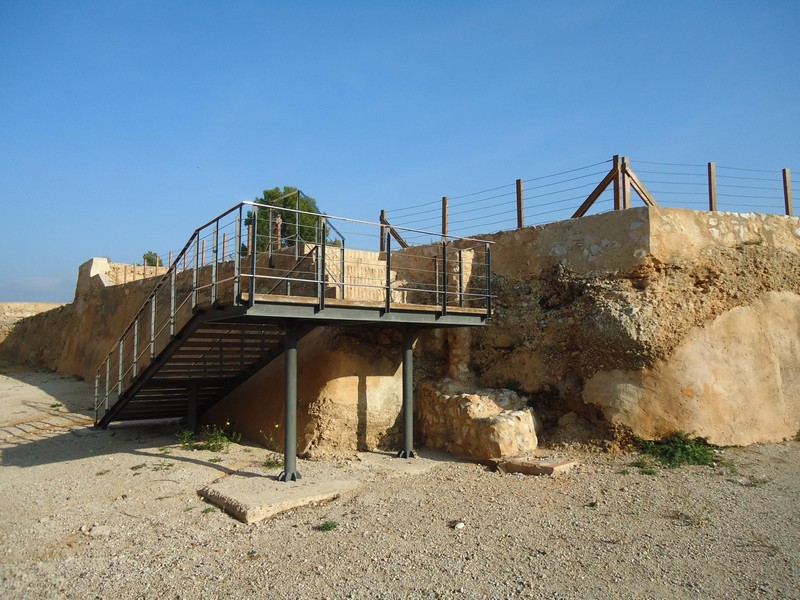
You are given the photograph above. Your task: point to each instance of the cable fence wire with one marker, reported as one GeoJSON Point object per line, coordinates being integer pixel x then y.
{"type": "Point", "coordinates": [738, 189]}
{"type": "Point", "coordinates": [546, 198]}
{"type": "Point", "coordinates": [557, 196]}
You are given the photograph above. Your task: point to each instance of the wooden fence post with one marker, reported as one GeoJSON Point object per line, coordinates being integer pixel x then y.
{"type": "Point", "coordinates": [712, 186]}
{"type": "Point", "coordinates": [625, 180]}
{"type": "Point", "coordinates": [444, 217]}
{"type": "Point", "coordinates": [787, 192]}
{"type": "Point", "coordinates": [169, 264]}
{"type": "Point", "coordinates": [383, 231]}
{"type": "Point", "coordinates": [617, 182]}
{"type": "Point", "coordinates": [520, 205]}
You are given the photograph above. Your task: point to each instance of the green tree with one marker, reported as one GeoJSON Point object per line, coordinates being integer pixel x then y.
{"type": "Point", "coordinates": [295, 226]}
{"type": "Point", "coordinates": [151, 259]}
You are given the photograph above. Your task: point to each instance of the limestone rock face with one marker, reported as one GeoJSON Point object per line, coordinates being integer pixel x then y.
{"type": "Point", "coordinates": [487, 424]}
{"type": "Point", "coordinates": [649, 318]}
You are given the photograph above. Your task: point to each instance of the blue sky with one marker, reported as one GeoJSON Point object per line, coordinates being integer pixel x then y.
{"type": "Point", "coordinates": [124, 125]}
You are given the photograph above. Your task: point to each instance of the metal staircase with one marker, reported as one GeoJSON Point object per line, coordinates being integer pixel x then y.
{"type": "Point", "coordinates": [237, 297]}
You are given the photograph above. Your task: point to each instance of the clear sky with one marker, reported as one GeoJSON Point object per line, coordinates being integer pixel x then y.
{"type": "Point", "coordinates": [126, 124]}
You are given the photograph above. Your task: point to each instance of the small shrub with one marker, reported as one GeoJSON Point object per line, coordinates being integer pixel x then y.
{"type": "Point", "coordinates": [327, 526]}
{"type": "Point", "coordinates": [212, 438]}
{"type": "Point", "coordinates": [677, 449]}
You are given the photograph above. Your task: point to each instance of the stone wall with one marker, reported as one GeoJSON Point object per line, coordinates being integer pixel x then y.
{"type": "Point", "coordinates": [652, 319]}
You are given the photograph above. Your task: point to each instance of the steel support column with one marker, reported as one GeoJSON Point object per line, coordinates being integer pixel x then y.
{"type": "Point", "coordinates": [408, 394]}
{"type": "Point", "coordinates": [290, 472]}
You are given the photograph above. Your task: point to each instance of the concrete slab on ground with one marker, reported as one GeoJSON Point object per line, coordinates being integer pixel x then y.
{"type": "Point", "coordinates": [251, 499]}
{"type": "Point", "coordinates": [252, 496]}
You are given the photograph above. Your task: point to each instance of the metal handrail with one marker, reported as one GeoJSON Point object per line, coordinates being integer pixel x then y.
{"type": "Point", "coordinates": [191, 283]}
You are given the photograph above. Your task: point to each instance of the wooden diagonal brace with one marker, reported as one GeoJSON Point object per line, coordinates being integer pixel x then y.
{"type": "Point", "coordinates": [640, 189]}
{"type": "Point", "coordinates": [587, 204]}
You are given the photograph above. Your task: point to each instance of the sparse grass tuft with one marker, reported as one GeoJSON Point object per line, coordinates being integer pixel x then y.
{"type": "Point", "coordinates": [137, 467]}
{"type": "Point", "coordinates": [212, 438]}
{"type": "Point", "coordinates": [273, 462]}
{"type": "Point", "coordinates": [209, 509]}
{"type": "Point", "coordinates": [645, 466]}
{"type": "Point", "coordinates": [677, 449]}
{"type": "Point", "coordinates": [687, 519]}
{"type": "Point", "coordinates": [58, 405]}
{"type": "Point", "coordinates": [327, 526]}
{"type": "Point", "coordinates": [216, 459]}
{"type": "Point", "coordinates": [103, 472]}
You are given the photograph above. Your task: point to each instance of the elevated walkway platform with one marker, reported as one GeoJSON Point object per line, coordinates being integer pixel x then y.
{"type": "Point", "coordinates": [254, 280]}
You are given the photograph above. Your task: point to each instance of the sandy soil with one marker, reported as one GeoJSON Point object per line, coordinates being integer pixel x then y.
{"type": "Point", "coordinates": [116, 514]}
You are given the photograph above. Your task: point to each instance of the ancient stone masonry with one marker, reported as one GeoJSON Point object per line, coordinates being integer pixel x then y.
{"type": "Point", "coordinates": [484, 424]}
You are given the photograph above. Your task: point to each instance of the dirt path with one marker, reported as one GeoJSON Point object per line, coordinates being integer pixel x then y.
{"type": "Point", "coordinates": [116, 514]}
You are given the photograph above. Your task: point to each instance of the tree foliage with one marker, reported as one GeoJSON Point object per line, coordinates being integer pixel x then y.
{"type": "Point", "coordinates": [295, 226]}
{"type": "Point", "coordinates": [151, 259]}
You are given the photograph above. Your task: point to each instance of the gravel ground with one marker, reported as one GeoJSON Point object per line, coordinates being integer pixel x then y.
{"type": "Point", "coordinates": [115, 514]}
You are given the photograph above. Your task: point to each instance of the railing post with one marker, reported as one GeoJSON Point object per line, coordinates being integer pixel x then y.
{"type": "Point", "coordinates": [437, 281]}
{"type": "Point", "coordinates": [444, 278]}
{"type": "Point", "coordinates": [253, 256]}
{"type": "Point", "coordinates": [119, 374]}
{"type": "Point", "coordinates": [237, 257]}
{"type": "Point", "coordinates": [712, 186]}
{"type": "Point", "coordinates": [203, 254]}
{"type": "Point", "coordinates": [169, 264]}
{"type": "Point", "coordinates": [520, 205]}
{"type": "Point", "coordinates": [444, 218]}
{"type": "Point", "coordinates": [135, 347]}
{"type": "Point", "coordinates": [196, 269]}
{"type": "Point", "coordinates": [342, 265]}
{"type": "Point", "coordinates": [173, 283]}
{"type": "Point", "coordinates": [460, 279]}
{"type": "Point", "coordinates": [108, 379]}
{"type": "Point", "coordinates": [388, 246]}
{"type": "Point", "coordinates": [787, 192]}
{"type": "Point", "coordinates": [96, 396]}
{"type": "Point", "coordinates": [214, 256]}
{"type": "Point", "coordinates": [488, 256]}
{"type": "Point", "coordinates": [321, 261]}
{"type": "Point", "coordinates": [153, 327]}
{"type": "Point", "coordinates": [617, 182]}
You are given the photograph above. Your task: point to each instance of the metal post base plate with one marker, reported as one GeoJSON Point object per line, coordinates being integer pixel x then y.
{"type": "Point", "coordinates": [293, 476]}
{"type": "Point", "coordinates": [406, 454]}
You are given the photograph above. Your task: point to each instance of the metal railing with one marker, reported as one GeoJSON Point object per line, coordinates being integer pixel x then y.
{"type": "Point", "coordinates": [246, 255]}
